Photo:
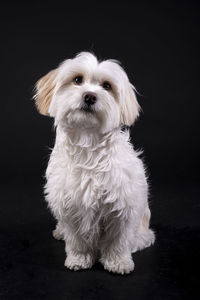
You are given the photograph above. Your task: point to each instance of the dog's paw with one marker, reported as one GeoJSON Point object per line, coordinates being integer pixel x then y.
{"type": "Point", "coordinates": [119, 265]}
{"type": "Point", "coordinates": [79, 261]}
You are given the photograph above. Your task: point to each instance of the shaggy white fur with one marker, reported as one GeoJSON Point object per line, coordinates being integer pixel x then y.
{"type": "Point", "coordinates": [96, 185]}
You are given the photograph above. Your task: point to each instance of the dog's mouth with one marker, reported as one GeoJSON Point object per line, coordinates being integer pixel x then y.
{"type": "Point", "coordinates": [88, 109]}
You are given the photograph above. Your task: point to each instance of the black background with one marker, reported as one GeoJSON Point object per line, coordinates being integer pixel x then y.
{"type": "Point", "coordinates": [158, 45]}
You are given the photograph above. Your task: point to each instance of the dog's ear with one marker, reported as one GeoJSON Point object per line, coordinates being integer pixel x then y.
{"type": "Point", "coordinates": [130, 108]}
{"type": "Point", "coordinates": [44, 91]}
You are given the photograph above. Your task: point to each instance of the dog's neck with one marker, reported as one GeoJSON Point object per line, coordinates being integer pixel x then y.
{"type": "Point", "coordinates": [89, 149]}
{"type": "Point", "coordinates": [89, 139]}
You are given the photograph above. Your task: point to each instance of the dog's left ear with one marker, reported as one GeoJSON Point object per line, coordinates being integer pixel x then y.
{"type": "Point", "coordinates": [130, 108]}
{"type": "Point", "coordinates": [44, 91]}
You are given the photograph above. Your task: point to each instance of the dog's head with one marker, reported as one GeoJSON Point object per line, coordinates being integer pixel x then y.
{"type": "Point", "coordinates": [85, 93]}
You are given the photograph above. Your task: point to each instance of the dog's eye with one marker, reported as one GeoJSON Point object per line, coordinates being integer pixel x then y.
{"type": "Point", "coordinates": [107, 86]}
{"type": "Point", "coordinates": [78, 80]}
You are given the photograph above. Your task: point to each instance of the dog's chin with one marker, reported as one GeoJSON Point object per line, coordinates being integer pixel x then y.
{"type": "Point", "coordinates": [83, 118]}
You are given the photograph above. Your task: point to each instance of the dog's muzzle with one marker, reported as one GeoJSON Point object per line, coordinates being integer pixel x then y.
{"type": "Point", "coordinates": [89, 99]}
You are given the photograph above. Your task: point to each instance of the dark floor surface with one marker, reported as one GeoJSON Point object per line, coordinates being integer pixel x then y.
{"type": "Point", "coordinates": [32, 262]}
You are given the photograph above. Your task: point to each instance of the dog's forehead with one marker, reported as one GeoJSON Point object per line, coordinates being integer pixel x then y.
{"type": "Point", "coordinates": [87, 63]}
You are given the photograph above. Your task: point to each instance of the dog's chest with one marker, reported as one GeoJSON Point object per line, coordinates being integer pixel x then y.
{"type": "Point", "coordinates": [88, 176]}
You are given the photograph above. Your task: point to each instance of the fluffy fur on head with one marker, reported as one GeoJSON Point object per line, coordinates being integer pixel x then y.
{"type": "Point", "coordinates": [58, 96]}
{"type": "Point", "coordinates": [96, 185]}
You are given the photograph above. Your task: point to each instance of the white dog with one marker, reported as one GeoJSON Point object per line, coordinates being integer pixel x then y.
{"type": "Point", "coordinates": [96, 185]}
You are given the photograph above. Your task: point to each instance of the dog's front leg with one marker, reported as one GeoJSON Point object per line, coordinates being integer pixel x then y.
{"type": "Point", "coordinates": [115, 247]}
{"type": "Point", "coordinates": [80, 254]}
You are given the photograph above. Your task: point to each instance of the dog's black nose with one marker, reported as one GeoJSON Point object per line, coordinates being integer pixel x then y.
{"type": "Point", "coordinates": [90, 99]}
